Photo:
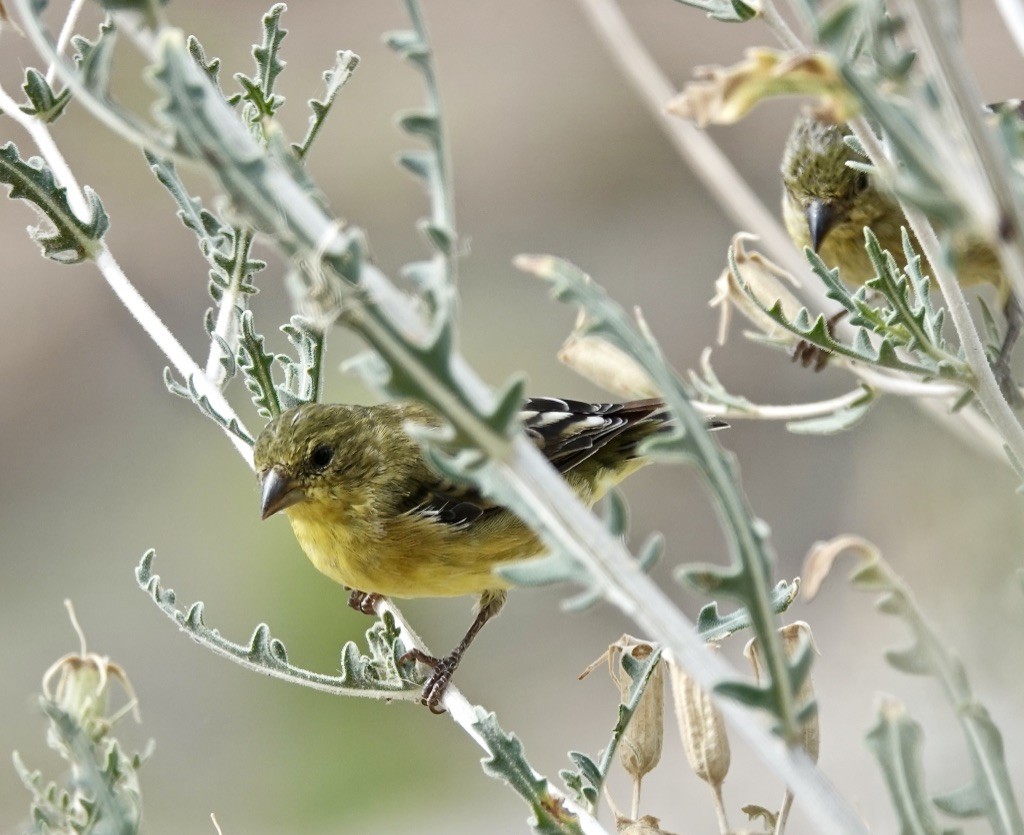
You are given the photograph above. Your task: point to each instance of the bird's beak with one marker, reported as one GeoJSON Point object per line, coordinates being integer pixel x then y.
{"type": "Point", "coordinates": [279, 492]}
{"type": "Point", "coordinates": [820, 217]}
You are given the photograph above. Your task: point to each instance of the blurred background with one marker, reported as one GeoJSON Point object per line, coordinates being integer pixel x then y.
{"type": "Point", "coordinates": [552, 153]}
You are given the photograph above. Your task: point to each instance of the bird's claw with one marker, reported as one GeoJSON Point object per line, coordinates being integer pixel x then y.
{"type": "Point", "coordinates": [438, 681]}
{"type": "Point", "coordinates": [364, 601]}
{"type": "Point", "coordinates": [812, 355]}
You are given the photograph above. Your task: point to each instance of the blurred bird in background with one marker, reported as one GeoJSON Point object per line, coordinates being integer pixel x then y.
{"type": "Point", "coordinates": [826, 205]}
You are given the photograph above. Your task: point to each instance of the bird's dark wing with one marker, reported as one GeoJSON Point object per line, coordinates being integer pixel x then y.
{"type": "Point", "coordinates": [568, 432]}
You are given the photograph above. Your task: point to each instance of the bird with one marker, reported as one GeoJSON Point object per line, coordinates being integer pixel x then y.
{"type": "Point", "coordinates": [826, 204]}
{"type": "Point", "coordinates": [372, 515]}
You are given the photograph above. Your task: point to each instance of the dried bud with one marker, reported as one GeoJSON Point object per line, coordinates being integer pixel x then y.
{"type": "Point", "coordinates": [640, 745]}
{"type": "Point", "coordinates": [83, 686]}
{"type": "Point", "coordinates": [702, 728]}
{"type": "Point", "coordinates": [602, 363]}
{"type": "Point", "coordinates": [794, 636]}
{"type": "Point", "coordinates": [761, 279]}
{"type": "Point", "coordinates": [646, 825]}
{"type": "Point", "coordinates": [724, 95]}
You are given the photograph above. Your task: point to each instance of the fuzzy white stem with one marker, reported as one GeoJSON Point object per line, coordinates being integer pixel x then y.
{"type": "Point", "coordinates": [986, 388]}
{"type": "Point", "coordinates": [705, 158]}
{"type": "Point", "coordinates": [988, 159]}
{"type": "Point", "coordinates": [115, 276]}
{"type": "Point", "coordinates": [65, 36]}
{"type": "Point", "coordinates": [777, 23]}
{"type": "Point", "coordinates": [166, 342]}
{"type": "Point", "coordinates": [723, 819]}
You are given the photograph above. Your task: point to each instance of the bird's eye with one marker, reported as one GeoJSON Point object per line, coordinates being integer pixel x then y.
{"type": "Point", "coordinates": [321, 456]}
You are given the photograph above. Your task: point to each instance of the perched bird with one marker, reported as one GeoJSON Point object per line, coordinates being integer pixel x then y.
{"type": "Point", "coordinates": [372, 515]}
{"type": "Point", "coordinates": [826, 205]}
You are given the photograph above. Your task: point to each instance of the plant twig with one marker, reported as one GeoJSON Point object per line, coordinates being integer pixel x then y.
{"type": "Point", "coordinates": [64, 38]}
{"type": "Point", "coordinates": [115, 276]}
{"type": "Point", "coordinates": [986, 387]}
{"type": "Point", "coordinates": [706, 160]}
{"type": "Point", "coordinates": [992, 167]}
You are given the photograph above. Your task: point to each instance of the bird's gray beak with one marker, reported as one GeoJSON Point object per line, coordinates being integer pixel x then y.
{"type": "Point", "coordinates": [820, 217]}
{"type": "Point", "coordinates": [279, 492]}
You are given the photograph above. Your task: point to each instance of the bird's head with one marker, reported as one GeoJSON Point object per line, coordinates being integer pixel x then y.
{"type": "Point", "coordinates": [314, 453]}
{"type": "Point", "coordinates": [819, 189]}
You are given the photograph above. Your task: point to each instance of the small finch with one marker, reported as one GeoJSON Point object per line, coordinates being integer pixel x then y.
{"type": "Point", "coordinates": [372, 515]}
{"type": "Point", "coordinates": [826, 205]}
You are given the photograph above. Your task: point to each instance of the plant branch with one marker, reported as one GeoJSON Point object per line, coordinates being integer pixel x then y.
{"type": "Point", "coordinates": [985, 385]}
{"type": "Point", "coordinates": [706, 160]}
{"type": "Point", "coordinates": [64, 38]}
{"type": "Point", "coordinates": [115, 276]}
{"type": "Point", "coordinates": [990, 163]}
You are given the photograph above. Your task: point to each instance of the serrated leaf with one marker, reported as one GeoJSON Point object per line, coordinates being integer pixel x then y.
{"type": "Point", "coordinates": [508, 763]}
{"type": "Point", "coordinates": [258, 90]}
{"type": "Point", "coordinates": [212, 234]}
{"type": "Point", "coordinates": [752, 695]}
{"type": "Point", "coordinates": [335, 78]}
{"type": "Point", "coordinates": [94, 58]}
{"type": "Point", "coordinates": [895, 741]}
{"type": "Point", "coordinates": [713, 580]}
{"type": "Point", "coordinates": [63, 237]}
{"type": "Point", "coordinates": [377, 675]}
{"type": "Point", "coordinates": [257, 368]}
{"type": "Point", "coordinates": [44, 103]}
{"type": "Point", "coordinates": [713, 627]}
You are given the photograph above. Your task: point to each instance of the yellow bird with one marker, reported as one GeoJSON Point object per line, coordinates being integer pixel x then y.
{"type": "Point", "coordinates": [826, 205]}
{"type": "Point", "coordinates": [373, 516]}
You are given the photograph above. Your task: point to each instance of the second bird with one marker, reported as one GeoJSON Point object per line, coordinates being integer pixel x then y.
{"type": "Point", "coordinates": [826, 205]}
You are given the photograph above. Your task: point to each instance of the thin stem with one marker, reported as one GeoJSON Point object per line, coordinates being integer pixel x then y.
{"type": "Point", "coordinates": [464, 714]}
{"type": "Point", "coordinates": [991, 165]}
{"type": "Point", "coordinates": [706, 160]}
{"type": "Point", "coordinates": [798, 411]}
{"type": "Point", "coordinates": [780, 821]}
{"type": "Point", "coordinates": [985, 386]}
{"type": "Point", "coordinates": [723, 820]}
{"type": "Point", "coordinates": [65, 36]}
{"type": "Point", "coordinates": [114, 275]}
{"type": "Point", "coordinates": [774, 21]}
{"type": "Point", "coordinates": [99, 109]}
{"type": "Point", "coordinates": [635, 806]}
{"type": "Point", "coordinates": [584, 537]}
{"type": "Point", "coordinates": [903, 386]}
{"type": "Point", "coordinates": [168, 344]}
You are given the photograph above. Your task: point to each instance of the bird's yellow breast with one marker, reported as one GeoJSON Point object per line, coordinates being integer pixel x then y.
{"type": "Point", "coordinates": [408, 555]}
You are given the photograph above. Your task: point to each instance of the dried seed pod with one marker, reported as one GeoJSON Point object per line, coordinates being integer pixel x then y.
{"type": "Point", "coordinates": [640, 744]}
{"type": "Point", "coordinates": [793, 637]}
{"type": "Point", "coordinates": [702, 728]}
{"type": "Point", "coordinates": [646, 825]}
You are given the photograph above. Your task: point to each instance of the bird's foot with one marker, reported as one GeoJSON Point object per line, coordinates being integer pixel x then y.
{"type": "Point", "coordinates": [809, 355]}
{"type": "Point", "coordinates": [364, 601]}
{"type": "Point", "coordinates": [438, 681]}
